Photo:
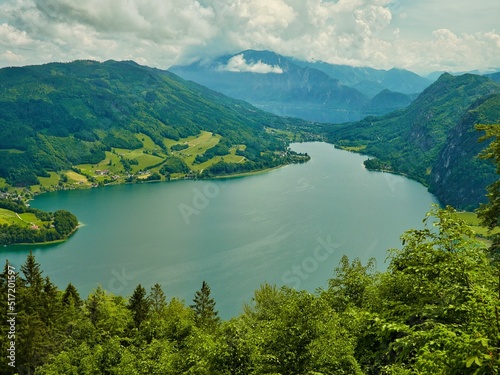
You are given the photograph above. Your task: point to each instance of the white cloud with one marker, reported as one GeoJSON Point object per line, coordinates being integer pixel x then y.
{"type": "Point", "coordinates": [378, 33]}
{"type": "Point", "coordinates": [10, 56]}
{"type": "Point", "coordinates": [238, 64]}
{"type": "Point", "coordinates": [12, 36]}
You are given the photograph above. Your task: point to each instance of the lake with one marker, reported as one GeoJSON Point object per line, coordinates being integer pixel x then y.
{"type": "Point", "coordinates": [288, 226]}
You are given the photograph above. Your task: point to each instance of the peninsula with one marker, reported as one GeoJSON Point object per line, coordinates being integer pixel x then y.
{"type": "Point", "coordinates": [20, 224]}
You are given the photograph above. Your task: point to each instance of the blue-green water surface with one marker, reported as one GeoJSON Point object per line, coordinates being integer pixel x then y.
{"type": "Point", "coordinates": [287, 226]}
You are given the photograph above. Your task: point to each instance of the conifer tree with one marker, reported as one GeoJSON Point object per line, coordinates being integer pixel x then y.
{"type": "Point", "coordinates": [32, 273]}
{"type": "Point", "coordinates": [139, 305]}
{"type": "Point", "coordinates": [157, 300]}
{"type": "Point", "coordinates": [94, 305]}
{"type": "Point", "coordinates": [33, 283]}
{"type": "Point", "coordinates": [71, 296]}
{"type": "Point", "coordinates": [204, 308]}
{"type": "Point", "coordinates": [50, 304]}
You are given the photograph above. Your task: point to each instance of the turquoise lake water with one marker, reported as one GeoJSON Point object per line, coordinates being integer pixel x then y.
{"type": "Point", "coordinates": [289, 226]}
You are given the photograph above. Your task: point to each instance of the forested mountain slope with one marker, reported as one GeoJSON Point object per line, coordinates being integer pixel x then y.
{"type": "Point", "coordinates": [57, 115]}
{"type": "Point", "coordinates": [459, 176]}
{"type": "Point", "coordinates": [409, 141]}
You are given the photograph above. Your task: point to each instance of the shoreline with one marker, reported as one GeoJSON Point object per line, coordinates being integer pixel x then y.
{"type": "Point", "coordinates": [244, 174]}
{"type": "Point", "coordinates": [236, 175]}
{"type": "Point", "coordinates": [47, 242]}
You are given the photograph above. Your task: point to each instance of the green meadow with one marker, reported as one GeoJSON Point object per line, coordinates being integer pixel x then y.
{"type": "Point", "coordinates": [24, 219]}
{"type": "Point", "coordinates": [142, 162]}
{"type": "Point", "coordinates": [475, 223]}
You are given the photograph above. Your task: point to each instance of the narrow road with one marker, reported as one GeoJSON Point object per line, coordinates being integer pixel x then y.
{"type": "Point", "coordinates": [20, 218]}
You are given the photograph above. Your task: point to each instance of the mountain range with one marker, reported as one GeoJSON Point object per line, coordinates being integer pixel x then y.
{"type": "Point", "coordinates": [314, 91]}
{"type": "Point", "coordinates": [375, 80]}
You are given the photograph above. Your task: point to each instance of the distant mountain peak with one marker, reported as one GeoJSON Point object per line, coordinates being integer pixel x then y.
{"type": "Point", "coordinates": [316, 91]}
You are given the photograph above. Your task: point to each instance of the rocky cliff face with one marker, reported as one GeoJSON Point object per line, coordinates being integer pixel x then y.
{"type": "Point", "coordinates": [459, 177]}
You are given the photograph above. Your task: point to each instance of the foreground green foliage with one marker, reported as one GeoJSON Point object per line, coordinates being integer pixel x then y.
{"type": "Point", "coordinates": [434, 311]}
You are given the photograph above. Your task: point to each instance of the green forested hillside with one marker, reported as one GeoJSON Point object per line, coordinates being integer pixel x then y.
{"type": "Point", "coordinates": [56, 116]}
{"type": "Point", "coordinates": [434, 311]}
{"type": "Point", "coordinates": [459, 177]}
{"type": "Point", "coordinates": [410, 140]}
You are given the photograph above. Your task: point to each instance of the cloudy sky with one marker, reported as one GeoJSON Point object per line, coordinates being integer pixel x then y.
{"type": "Point", "coordinates": [420, 35]}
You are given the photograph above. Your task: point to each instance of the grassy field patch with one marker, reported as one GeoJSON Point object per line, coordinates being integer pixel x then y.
{"type": "Point", "coordinates": [9, 217]}
{"type": "Point", "coordinates": [147, 142]}
{"type": "Point", "coordinates": [146, 161]}
{"type": "Point", "coordinates": [47, 182]}
{"type": "Point", "coordinates": [197, 145]}
{"type": "Point", "coordinates": [76, 178]}
{"type": "Point", "coordinates": [216, 159]}
{"type": "Point", "coordinates": [110, 163]}
{"type": "Point", "coordinates": [30, 219]}
{"type": "Point", "coordinates": [25, 219]}
{"type": "Point", "coordinates": [474, 222]}
{"type": "Point", "coordinates": [354, 148]}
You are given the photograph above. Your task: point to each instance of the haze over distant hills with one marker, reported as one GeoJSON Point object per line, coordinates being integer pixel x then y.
{"type": "Point", "coordinates": [397, 80]}
{"type": "Point", "coordinates": [313, 91]}
{"type": "Point", "coordinates": [494, 76]}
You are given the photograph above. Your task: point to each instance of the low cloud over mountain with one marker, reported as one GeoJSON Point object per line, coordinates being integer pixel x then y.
{"type": "Point", "coordinates": [239, 64]}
